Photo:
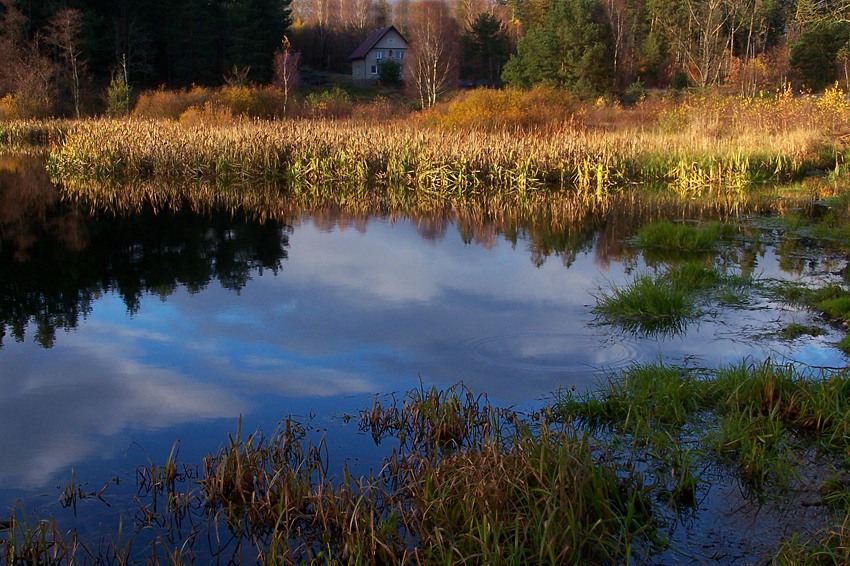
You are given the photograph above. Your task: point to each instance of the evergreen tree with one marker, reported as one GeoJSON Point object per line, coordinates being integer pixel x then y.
{"type": "Point", "coordinates": [814, 57]}
{"type": "Point", "coordinates": [254, 31]}
{"type": "Point", "coordinates": [569, 49]}
{"type": "Point", "coordinates": [196, 42]}
{"type": "Point", "coordinates": [485, 48]}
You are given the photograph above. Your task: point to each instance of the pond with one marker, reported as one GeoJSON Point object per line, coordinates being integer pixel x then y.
{"type": "Point", "coordinates": [125, 333]}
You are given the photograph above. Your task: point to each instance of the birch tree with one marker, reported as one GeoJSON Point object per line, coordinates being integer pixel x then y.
{"type": "Point", "coordinates": [286, 74]}
{"type": "Point", "coordinates": [433, 36]}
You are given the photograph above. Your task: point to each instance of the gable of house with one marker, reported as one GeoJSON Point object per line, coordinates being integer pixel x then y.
{"type": "Point", "coordinates": [381, 45]}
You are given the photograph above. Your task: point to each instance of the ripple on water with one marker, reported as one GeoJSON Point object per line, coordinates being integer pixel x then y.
{"type": "Point", "coordinates": [568, 352]}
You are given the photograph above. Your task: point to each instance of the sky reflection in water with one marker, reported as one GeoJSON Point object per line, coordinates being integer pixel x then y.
{"type": "Point", "coordinates": [350, 314]}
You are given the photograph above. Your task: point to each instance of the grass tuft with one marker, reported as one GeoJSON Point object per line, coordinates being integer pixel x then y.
{"type": "Point", "coordinates": [682, 238]}
{"type": "Point", "coordinates": [649, 305]}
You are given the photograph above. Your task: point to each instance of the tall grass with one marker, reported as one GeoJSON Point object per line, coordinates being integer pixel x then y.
{"type": "Point", "coordinates": [19, 135]}
{"type": "Point", "coordinates": [312, 155]}
{"type": "Point", "coordinates": [682, 238]}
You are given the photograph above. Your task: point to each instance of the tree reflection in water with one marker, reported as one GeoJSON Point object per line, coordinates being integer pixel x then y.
{"type": "Point", "coordinates": [62, 248]}
{"type": "Point", "coordinates": [56, 260]}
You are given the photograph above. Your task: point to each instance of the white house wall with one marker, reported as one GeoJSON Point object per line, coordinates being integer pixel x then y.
{"type": "Point", "coordinates": [361, 69]}
{"type": "Point", "coordinates": [358, 70]}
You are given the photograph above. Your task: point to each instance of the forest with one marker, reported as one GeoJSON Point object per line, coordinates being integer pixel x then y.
{"type": "Point", "coordinates": [60, 57]}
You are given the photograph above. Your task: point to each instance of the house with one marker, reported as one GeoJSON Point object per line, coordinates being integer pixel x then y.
{"type": "Point", "coordinates": [382, 45]}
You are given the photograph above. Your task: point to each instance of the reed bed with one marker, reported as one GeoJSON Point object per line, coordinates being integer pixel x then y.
{"type": "Point", "coordinates": [18, 135]}
{"type": "Point", "coordinates": [410, 161]}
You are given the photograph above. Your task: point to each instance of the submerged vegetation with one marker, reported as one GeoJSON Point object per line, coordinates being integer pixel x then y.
{"type": "Point", "coordinates": [599, 478]}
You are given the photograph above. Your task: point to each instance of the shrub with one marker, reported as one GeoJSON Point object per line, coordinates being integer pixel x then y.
{"type": "Point", "coordinates": [377, 110]}
{"type": "Point", "coordinates": [390, 72]}
{"type": "Point", "coordinates": [249, 101]}
{"type": "Point", "coordinates": [508, 108]}
{"type": "Point", "coordinates": [335, 103]}
{"type": "Point", "coordinates": [169, 104]}
{"type": "Point", "coordinates": [272, 102]}
{"type": "Point", "coordinates": [240, 100]}
{"type": "Point", "coordinates": [7, 108]}
{"type": "Point", "coordinates": [20, 107]}
{"type": "Point", "coordinates": [210, 113]}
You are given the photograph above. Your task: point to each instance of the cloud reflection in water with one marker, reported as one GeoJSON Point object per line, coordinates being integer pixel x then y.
{"type": "Point", "coordinates": [349, 314]}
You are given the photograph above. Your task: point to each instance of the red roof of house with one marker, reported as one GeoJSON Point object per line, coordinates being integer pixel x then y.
{"type": "Point", "coordinates": [371, 41]}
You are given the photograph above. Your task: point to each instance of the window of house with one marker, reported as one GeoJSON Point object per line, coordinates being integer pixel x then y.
{"type": "Point", "coordinates": [379, 54]}
{"type": "Point", "coordinates": [390, 40]}
{"type": "Point", "coordinates": [374, 69]}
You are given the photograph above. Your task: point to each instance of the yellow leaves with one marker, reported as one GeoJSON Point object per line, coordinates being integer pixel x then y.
{"type": "Point", "coordinates": [834, 99]}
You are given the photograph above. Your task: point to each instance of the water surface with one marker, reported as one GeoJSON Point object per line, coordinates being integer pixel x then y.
{"type": "Point", "coordinates": [123, 333]}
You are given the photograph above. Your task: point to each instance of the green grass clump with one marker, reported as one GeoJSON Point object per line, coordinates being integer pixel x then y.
{"type": "Point", "coordinates": [780, 398]}
{"type": "Point", "coordinates": [753, 414]}
{"type": "Point", "coordinates": [680, 237]}
{"type": "Point", "coordinates": [666, 395]}
{"type": "Point", "coordinates": [651, 305]}
{"type": "Point", "coordinates": [838, 307]}
{"type": "Point", "coordinates": [660, 304]}
{"type": "Point", "coordinates": [758, 444]}
{"type": "Point", "coordinates": [767, 425]}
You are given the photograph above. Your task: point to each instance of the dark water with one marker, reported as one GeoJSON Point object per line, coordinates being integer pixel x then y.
{"type": "Point", "coordinates": [125, 333]}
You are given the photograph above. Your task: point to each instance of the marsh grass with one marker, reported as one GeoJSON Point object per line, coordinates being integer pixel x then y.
{"type": "Point", "coordinates": [20, 135]}
{"type": "Point", "coordinates": [683, 238]}
{"type": "Point", "coordinates": [25, 539]}
{"type": "Point", "coordinates": [666, 395]}
{"type": "Point", "coordinates": [510, 143]}
{"type": "Point", "coordinates": [769, 425]}
{"type": "Point", "coordinates": [545, 499]}
{"type": "Point", "coordinates": [692, 273]}
{"type": "Point", "coordinates": [829, 547]}
{"type": "Point", "coordinates": [487, 155]}
{"type": "Point", "coordinates": [776, 398]}
{"type": "Point", "coordinates": [465, 482]}
{"type": "Point", "coordinates": [659, 304]}
{"type": "Point", "coordinates": [594, 478]}
{"type": "Point", "coordinates": [830, 301]}
{"type": "Point", "coordinates": [796, 330]}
